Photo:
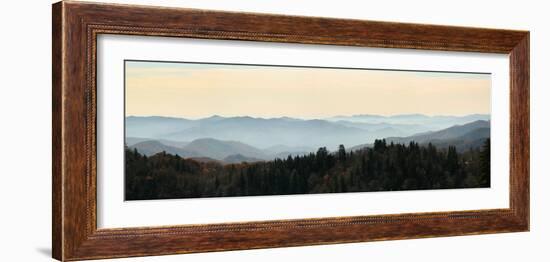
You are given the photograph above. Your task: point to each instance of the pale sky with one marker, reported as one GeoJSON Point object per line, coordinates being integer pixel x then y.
{"type": "Point", "coordinates": [194, 90]}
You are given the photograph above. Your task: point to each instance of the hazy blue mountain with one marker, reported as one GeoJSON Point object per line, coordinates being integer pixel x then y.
{"type": "Point", "coordinates": [203, 148]}
{"type": "Point", "coordinates": [418, 120]}
{"type": "Point", "coordinates": [472, 139]}
{"type": "Point", "coordinates": [130, 141]}
{"type": "Point", "coordinates": [173, 143]}
{"type": "Point", "coordinates": [470, 135]}
{"type": "Point", "coordinates": [445, 134]}
{"type": "Point", "coordinates": [217, 149]}
{"type": "Point", "coordinates": [297, 134]}
{"type": "Point", "coordinates": [263, 133]}
{"type": "Point", "coordinates": [313, 132]}
{"type": "Point", "coordinates": [212, 150]}
{"type": "Point", "coordinates": [155, 126]}
{"type": "Point", "coordinates": [387, 129]}
{"type": "Point", "coordinates": [152, 147]}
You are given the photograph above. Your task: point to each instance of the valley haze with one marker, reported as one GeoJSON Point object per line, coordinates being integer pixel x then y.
{"type": "Point", "coordinates": [251, 139]}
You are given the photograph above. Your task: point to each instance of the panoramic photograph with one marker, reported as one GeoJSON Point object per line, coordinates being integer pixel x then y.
{"type": "Point", "coordinates": [195, 130]}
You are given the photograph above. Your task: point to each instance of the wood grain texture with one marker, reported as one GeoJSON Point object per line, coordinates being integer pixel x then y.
{"type": "Point", "coordinates": [519, 129]}
{"type": "Point", "coordinates": [76, 26]}
{"type": "Point", "coordinates": [57, 215]}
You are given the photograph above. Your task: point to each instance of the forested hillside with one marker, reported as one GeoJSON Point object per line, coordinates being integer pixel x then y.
{"type": "Point", "coordinates": [382, 167]}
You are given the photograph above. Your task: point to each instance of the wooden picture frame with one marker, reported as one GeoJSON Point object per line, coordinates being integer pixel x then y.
{"type": "Point", "coordinates": [76, 26]}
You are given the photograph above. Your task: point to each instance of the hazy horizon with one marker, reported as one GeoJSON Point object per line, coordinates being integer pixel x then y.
{"type": "Point", "coordinates": [312, 118]}
{"type": "Point", "coordinates": [195, 90]}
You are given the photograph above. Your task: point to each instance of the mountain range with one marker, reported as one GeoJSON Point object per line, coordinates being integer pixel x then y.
{"type": "Point", "coordinates": [464, 137]}
{"type": "Point", "coordinates": [429, 122]}
{"type": "Point", "coordinates": [285, 131]}
{"type": "Point", "coordinates": [240, 139]}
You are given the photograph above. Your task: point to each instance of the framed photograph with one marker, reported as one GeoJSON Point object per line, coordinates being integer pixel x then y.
{"type": "Point", "coordinates": [182, 130]}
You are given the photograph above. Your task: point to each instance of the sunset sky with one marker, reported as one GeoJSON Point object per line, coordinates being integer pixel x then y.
{"type": "Point", "coordinates": [193, 90]}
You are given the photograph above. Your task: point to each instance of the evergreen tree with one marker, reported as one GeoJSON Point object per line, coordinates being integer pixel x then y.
{"type": "Point", "coordinates": [341, 153]}
{"type": "Point", "coordinates": [383, 167]}
{"type": "Point", "coordinates": [485, 165]}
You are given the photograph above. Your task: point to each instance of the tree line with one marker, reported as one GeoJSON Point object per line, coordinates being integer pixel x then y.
{"type": "Point", "coordinates": [382, 167]}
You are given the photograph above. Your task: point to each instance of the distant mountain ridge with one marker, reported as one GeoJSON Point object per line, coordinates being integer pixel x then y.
{"type": "Point", "coordinates": [218, 149]}
{"type": "Point", "coordinates": [134, 140]}
{"type": "Point", "coordinates": [448, 133]}
{"type": "Point", "coordinates": [204, 147]}
{"type": "Point", "coordinates": [433, 122]}
{"type": "Point", "coordinates": [152, 147]}
{"type": "Point", "coordinates": [287, 131]}
{"type": "Point", "coordinates": [463, 137]}
{"type": "Point", "coordinates": [154, 126]}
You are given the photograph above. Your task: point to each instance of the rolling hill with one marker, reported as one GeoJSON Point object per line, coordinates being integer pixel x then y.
{"type": "Point", "coordinates": [155, 126]}
{"type": "Point", "coordinates": [463, 137]}
{"type": "Point", "coordinates": [152, 147]}
{"type": "Point", "coordinates": [445, 134]}
{"type": "Point", "coordinates": [206, 148]}
{"type": "Point", "coordinates": [218, 149]}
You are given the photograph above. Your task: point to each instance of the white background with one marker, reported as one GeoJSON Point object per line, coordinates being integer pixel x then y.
{"type": "Point", "coordinates": [25, 155]}
{"type": "Point", "coordinates": [114, 212]}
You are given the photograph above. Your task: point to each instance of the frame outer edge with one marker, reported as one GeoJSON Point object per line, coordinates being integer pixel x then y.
{"type": "Point", "coordinates": [71, 239]}
{"type": "Point", "coordinates": [520, 140]}
{"type": "Point", "coordinates": [57, 122]}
